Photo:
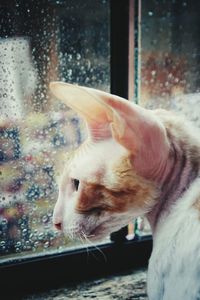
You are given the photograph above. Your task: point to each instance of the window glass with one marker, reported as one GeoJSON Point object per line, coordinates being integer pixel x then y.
{"type": "Point", "coordinates": [169, 56]}
{"type": "Point", "coordinates": [167, 59]}
{"type": "Point", "coordinates": [41, 41]}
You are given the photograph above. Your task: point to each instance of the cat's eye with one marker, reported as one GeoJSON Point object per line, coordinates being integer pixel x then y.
{"type": "Point", "coordinates": [75, 183]}
{"type": "Point", "coordinates": [93, 210]}
{"type": "Point", "coordinates": [96, 210]}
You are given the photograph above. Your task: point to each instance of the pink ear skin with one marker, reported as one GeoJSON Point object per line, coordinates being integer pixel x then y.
{"type": "Point", "coordinates": [143, 135]}
{"type": "Point", "coordinates": [137, 129]}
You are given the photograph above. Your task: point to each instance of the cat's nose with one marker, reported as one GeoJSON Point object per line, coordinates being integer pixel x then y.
{"type": "Point", "coordinates": [58, 226]}
{"type": "Point", "coordinates": [57, 214]}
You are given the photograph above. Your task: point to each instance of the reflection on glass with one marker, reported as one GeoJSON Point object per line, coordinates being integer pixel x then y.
{"type": "Point", "coordinates": [58, 40]}
{"type": "Point", "coordinates": [170, 56]}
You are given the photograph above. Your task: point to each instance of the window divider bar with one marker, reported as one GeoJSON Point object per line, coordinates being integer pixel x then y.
{"type": "Point", "coordinates": [119, 12]}
{"type": "Point", "coordinates": [131, 50]}
{"type": "Point", "coordinates": [124, 18]}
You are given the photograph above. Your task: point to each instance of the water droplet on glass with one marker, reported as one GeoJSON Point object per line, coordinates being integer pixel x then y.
{"type": "Point", "coordinates": [36, 244]}
{"type": "Point", "coordinates": [78, 56]}
{"type": "Point", "coordinates": [69, 57]}
{"type": "Point", "coordinates": [4, 222]}
{"type": "Point", "coordinates": [46, 245]}
{"type": "Point", "coordinates": [41, 236]}
{"type": "Point", "coordinates": [2, 243]}
{"type": "Point", "coordinates": [45, 219]}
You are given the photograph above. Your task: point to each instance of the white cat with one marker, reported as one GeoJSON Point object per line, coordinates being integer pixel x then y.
{"type": "Point", "coordinates": [135, 162]}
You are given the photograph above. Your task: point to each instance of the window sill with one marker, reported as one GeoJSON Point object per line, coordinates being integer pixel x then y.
{"type": "Point", "coordinates": [51, 271]}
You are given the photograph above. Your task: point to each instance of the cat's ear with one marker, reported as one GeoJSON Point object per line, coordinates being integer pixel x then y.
{"type": "Point", "coordinates": [137, 129]}
{"type": "Point", "coordinates": [108, 115]}
{"type": "Point", "coordinates": [89, 104]}
{"type": "Point", "coordinates": [142, 133]}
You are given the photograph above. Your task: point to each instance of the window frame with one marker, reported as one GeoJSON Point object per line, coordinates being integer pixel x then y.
{"type": "Point", "coordinates": [28, 275]}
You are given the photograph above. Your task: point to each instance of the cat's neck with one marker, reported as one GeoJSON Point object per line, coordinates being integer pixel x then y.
{"type": "Point", "coordinates": [182, 167]}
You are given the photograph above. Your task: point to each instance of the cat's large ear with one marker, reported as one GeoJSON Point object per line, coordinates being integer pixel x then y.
{"type": "Point", "coordinates": [141, 127]}
{"type": "Point", "coordinates": [90, 104]}
{"type": "Point", "coordinates": [143, 134]}
{"type": "Point", "coordinates": [109, 115]}
{"type": "Point", "coordinates": [137, 129]}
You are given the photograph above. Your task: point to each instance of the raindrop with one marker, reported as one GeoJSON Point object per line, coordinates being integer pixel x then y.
{"type": "Point", "coordinates": [2, 243]}
{"type": "Point", "coordinates": [46, 245]}
{"type": "Point", "coordinates": [18, 244]}
{"type": "Point", "coordinates": [24, 231]}
{"type": "Point", "coordinates": [78, 56]}
{"type": "Point", "coordinates": [4, 222]}
{"type": "Point", "coordinates": [69, 72]}
{"type": "Point", "coordinates": [69, 57]}
{"type": "Point", "coordinates": [41, 236]}
{"type": "Point", "coordinates": [45, 219]}
{"type": "Point", "coordinates": [36, 244]}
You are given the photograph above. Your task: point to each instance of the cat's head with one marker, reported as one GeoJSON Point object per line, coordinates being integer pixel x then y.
{"type": "Point", "coordinates": [113, 176]}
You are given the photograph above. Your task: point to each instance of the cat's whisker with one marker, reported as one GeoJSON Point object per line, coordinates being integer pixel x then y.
{"type": "Point", "coordinates": [85, 237]}
{"type": "Point", "coordinates": [88, 242]}
{"type": "Point", "coordinates": [92, 244]}
{"type": "Point", "coordinates": [83, 243]}
{"type": "Point", "coordinates": [81, 236]}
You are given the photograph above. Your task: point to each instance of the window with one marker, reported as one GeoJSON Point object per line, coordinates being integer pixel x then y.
{"type": "Point", "coordinates": [43, 41]}
{"type": "Point", "coordinates": [169, 56]}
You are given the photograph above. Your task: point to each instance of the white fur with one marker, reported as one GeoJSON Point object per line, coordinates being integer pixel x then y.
{"type": "Point", "coordinates": [174, 267]}
{"type": "Point", "coordinates": [98, 157]}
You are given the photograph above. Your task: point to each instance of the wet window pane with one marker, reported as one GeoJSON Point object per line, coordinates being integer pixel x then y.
{"type": "Point", "coordinates": [41, 41]}
{"type": "Point", "coordinates": [169, 58]}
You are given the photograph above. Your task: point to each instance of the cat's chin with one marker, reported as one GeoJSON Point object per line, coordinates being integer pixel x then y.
{"type": "Point", "coordinates": [85, 239]}
{"type": "Point", "coordinates": [101, 233]}
{"type": "Point", "coordinates": [98, 234]}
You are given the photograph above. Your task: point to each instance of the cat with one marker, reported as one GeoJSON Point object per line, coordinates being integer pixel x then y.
{"type": "Point", "coordinates": [135, 162]}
